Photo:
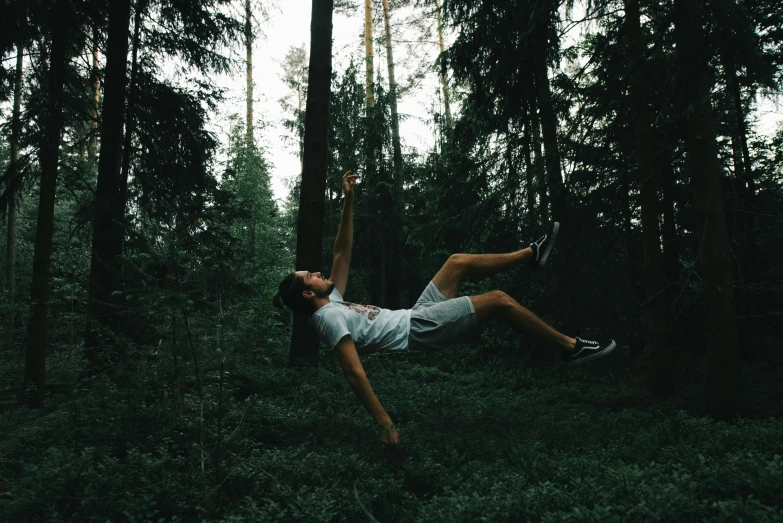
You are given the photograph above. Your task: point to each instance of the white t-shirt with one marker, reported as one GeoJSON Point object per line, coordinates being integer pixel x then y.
{"type": "Point", "coordinates": [370, 327]}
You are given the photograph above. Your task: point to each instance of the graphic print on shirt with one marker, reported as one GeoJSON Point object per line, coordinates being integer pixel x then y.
{"type": "Point", "coordinates": [370, 311]}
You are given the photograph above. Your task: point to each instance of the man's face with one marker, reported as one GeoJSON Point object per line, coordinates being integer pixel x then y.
{"type": "Point", "coordinates": [316, 282]}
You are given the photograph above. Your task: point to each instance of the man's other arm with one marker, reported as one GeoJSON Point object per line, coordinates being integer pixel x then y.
{"type": "Point", "coordinates": [345, 351]}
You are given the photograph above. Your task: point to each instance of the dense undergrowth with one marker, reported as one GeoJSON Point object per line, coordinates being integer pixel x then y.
{"type": "Point", "coordinates": [479, 441]}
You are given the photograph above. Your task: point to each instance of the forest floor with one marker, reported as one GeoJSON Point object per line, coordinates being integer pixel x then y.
{"type": "Point", "coordinates": [480, 440]}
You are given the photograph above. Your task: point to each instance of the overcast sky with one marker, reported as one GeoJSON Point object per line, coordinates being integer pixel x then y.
{"type": "Point", "coordinates": [288, 25]}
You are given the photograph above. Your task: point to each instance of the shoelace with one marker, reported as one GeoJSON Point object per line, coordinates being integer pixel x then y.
{"type": "Point", "coordinates": [587, 342]}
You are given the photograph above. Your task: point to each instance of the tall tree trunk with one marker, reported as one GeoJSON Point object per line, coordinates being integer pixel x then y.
{"type": "Point", "coordinates": [249, 67]}
{"type": "Point", "coordinates": [538, 162]}
{"type": "Point", "coordinates": [627, 204]}
{"type": "Point", "coordinates": [736, 127]}
{"type": "Point", "coordinates": [399, 282]}
{"type": "Point", "coordinates": [398, 168]}
{"type": "Point", "coordinates": [554, 176]}
{"type": "Point", "coordinates": [48, 155]}
{"type": "Point", "coordinates": [512, 173]}
{"type": "Point", "coordinates": [743, 170]}
{"type": "Point", "coordinates": [304, 340]}
{"type": "Point", "coordinates": [10, 258]}
{"type": "Point", "coordinates": [671, 254]}
{"type": "Point", "coordinates": [734, 86]}
{"type": "Point", "coordinates": [373, 172]}
{"type": "Point", "coordinates": [382, 269]}
{"type": "Point", "coordinates": [369, 75]}
{"type": "Point", "coordinates": [301, 138]}
{"type": "Point", "coordinates": [724, 366]}
{"type": "Point", "coordinates": [443, 77]}
{"type": "Point", "coordinates": [105, 266]}
{"type": "Point", "coordinates": [251, 230]}
{"type": "Point", "coordinates": [526, 152]}
{"type": "Point", "coordinates": [658, 352]}
{"type": "Point", "coordinates": [96, 96]}
{"type": "Point", "coordinates": [130, 126]}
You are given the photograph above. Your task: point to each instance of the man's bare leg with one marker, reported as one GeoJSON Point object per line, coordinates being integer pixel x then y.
{"type": "Point", "coordinates": [498, 304]}
{"type": "Point", "coordinates": [458, 266]}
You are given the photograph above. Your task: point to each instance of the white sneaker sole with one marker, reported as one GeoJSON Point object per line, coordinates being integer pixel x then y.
{"type": "Point", "coordinates": [548, 249]}
{"type": "Point", "coordinates": [609, 348]}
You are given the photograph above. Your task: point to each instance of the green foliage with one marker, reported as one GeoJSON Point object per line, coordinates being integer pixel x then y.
{"type": "Point", "coordinates": [478, 443]}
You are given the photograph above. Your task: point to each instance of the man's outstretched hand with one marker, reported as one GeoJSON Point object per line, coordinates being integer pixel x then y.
{"type": "Point", "coordinates": [389, 436]}
{"type": "Point", "coordinates": [349, 180]}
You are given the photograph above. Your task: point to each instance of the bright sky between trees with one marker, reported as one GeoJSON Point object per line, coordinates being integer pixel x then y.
{"type": "Point", "coordinates": [288, 24]}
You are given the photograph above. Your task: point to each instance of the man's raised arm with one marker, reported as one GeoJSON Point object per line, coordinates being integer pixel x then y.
{"type": "Point", "coordinates": [343, 244]}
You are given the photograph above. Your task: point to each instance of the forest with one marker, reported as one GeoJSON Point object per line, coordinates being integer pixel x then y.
{"type": "Point", "coordinates": [147, 375]}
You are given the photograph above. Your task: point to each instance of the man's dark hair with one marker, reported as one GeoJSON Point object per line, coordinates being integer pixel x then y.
{"type": "Point", "coordinates": [289, 295]}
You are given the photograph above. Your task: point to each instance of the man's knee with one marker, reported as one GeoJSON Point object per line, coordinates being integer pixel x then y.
{"type": "Point", "coordinates": [501, 300]}
{"type": "Point", "coordinates": [494, 304]}
{"type": "Point", "coordinates": [457, 261]}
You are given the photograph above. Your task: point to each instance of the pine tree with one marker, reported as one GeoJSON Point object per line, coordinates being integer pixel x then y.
{"type": "Point", "coordinates": [304, 342]}
{"type": "Point", "coordinates": [49, 155]}
{"type": "Point", "coordinates": [443, 76]}
{"type": "Point", "coordinates": [16, 124]}
{"type": "Point", "coordinates": [658, 352]}
{"type": "Point", "coordinates": [724, 370]}
{"type": "Point", "coordinates": [105, 268]}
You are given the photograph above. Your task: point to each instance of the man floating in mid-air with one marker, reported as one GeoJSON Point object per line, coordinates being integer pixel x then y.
{"type": "Point", "coordinates": [438, 319]}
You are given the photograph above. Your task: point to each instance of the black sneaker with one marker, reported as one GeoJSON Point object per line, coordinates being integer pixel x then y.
{"type": "Point", "coordinates": [587, 350]}
{"type": "Point", "coordinates": [543, 246]}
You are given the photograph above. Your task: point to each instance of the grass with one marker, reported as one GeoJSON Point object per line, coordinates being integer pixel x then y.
{"type": "Point", "coordinates": [479, 442]}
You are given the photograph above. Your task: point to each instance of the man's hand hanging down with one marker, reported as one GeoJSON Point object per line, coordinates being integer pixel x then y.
{"type": "Point", "coordinates": [349, 180]}
{"type": "Point", "coordinates": [388, 435]}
